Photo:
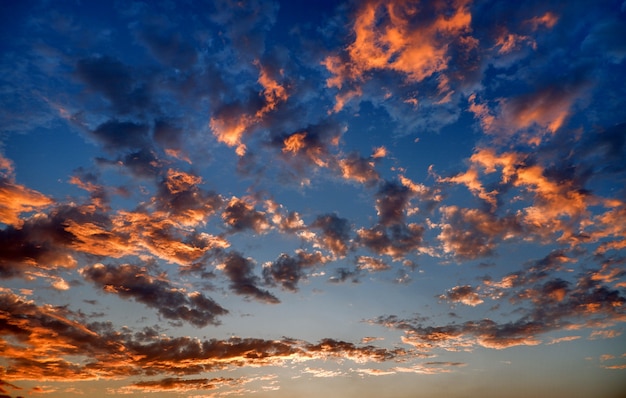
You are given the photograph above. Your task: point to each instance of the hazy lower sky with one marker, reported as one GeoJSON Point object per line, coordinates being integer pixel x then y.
{"type": "Point", "coordinates": [365, 199]}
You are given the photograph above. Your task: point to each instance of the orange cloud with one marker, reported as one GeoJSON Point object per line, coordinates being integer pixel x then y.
{"type": "Point", "coordinates": [529, 116]}
{"type": "Point", "coordinates": [16, 199]}
{"type": "Point", "coordinates": [509, 42]}
{"type": "Point", "coordinates": [359, 169]}
{"type": "Point", "coordinates": [294, 143]}
{"type": "Point", "coordinates": [548, 20]}
{"type": "Point", "coordinates": [472, 233]}
{"type": "Point", "coordinates": [231, 124]}
{"type": "Point", "coordinates": [399, 36]}
{"type": "Point", "coordinates": [556, 205]}
{"type": "Point", "coordinates": [471, 179]}
{"type": "Point", "coordinates": [463, 294]}
{"type": "Point", "coordinates": [306, 145]}
{"type": "Point", "coordinates": [42, 343]}
{"type": "Point", "coordinates": [412, 50]}
{"type": "Point", "coordinates": [273, 93]}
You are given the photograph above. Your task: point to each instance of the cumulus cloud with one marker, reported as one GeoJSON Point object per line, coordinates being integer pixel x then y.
{"type": "Point", "coordinates": [395, 241]}
{"type": "Point", "coordinates": [392, 200]}
{"type": "Point", "coordinates": [243, 280]}
{"type": "Point", "coordinates": [289, 270]}
{"type": "Point", "coordinates": [359, 169]}
{"type": "Point", "coordinates": [371, 264]}
{"type": "Point", "coordinates": [473, 233]}
{"type": "Point", "coordinates": [118, 83]}
{"type": "Point", "coordinates": [155, 291]}
{"type": "Point", "coordinates": [465, 294]}
{"type": "Point", "coordinates": [555, 305]}
{"type": "Point", "coordinates": [401, 37]}
{"type": "Point", "coordinates": [239, 214]}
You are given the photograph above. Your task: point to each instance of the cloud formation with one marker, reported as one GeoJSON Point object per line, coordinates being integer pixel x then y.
{"type": "Point", "coordinates": [449, 170]}
{"type": "Point", "coordinates": [132, 281]}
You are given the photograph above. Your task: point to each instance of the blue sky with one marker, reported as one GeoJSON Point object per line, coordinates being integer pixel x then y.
{"type": "Point", "coordinates": [376, 198]}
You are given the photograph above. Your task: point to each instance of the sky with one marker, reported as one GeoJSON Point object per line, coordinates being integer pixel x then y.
{"type": "Point", "coordinates": [313, 199]}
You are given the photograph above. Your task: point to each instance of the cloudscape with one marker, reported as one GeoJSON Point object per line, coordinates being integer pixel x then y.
{"type": "Point", "coordinates": [377, 198]}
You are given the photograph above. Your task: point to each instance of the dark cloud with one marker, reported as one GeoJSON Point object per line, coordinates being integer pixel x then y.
{"type": "Point", "coordinates": [239, 214]}
{"type": "Point", "coordinates": [555, 305]}
{"type": "Point", "coordinates": [179, 384]}
{"type": "Point", "coordinates": [143, 163]}
{"type": "Point", "coordinates": [42, 243]}
{"type": "Point", "coordinates": [89, 181]}
{"type": "Point", "coordinates": [246, 27]}
{"type": "Point", "coordinates": [168, 46]}
{"type": "Point", "coordinates": [243, 281]}
{"type": "Point", "coordinates": [119, 135]}
{"type": "Point", "coordinates": [391, 202]}
{"type": "Point", "coordinates": [287, 270]}
{"type": "Point", "coordinates": [606, 149]}
{"type": "Point", "coordinates": [180, 195]}
{"type": "Point", "coordinates": [116, 82]}
{"type": "Point", "coordinates": [354, 167]}
{"type": "Point", "coordinates": [396, 241]}
{"type": "Point", "coordinates": [155, 291]}
{"type": "Point", "coordinates": [168, 134]}
{"type": "Point", "coordinates": [310, 148]}
{"type": "Point", "coordinates": [335, 233]}
{"type": "Point", "coordinates": [343, 274]}
{"type": "Point", "coordinates": [331, 348]}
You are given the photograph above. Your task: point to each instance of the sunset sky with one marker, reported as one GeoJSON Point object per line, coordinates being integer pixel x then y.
{"type": "Point", "coordinates": [397, 199]}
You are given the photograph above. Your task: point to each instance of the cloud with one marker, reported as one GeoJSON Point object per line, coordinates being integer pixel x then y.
{"type": "Point", "coordinates": [319, 372]}
{"type": "Point", "coordinates": [331, 348]}
{"type": "Point", "coordinates": [359, 169]}
{"type": "Point", "coordinates": [465, 294]}
{"type": "Point", "coordinates": [395, 241]}
{"type": "Point", "coordinates": [132, 281]}
{"type": "Point", "coordinates": [371, 264]}
{"type": "Point", "coordinates": [17, 199]}
{"type": "Point", "coordinates": [555, 305]}
{"type": "Point", "coordinates": [288, 271]}
{"type": "Point", "coordinates": [239, 214]}
{"type": "Point", "coordinates": [231, 122]}
{"type": "Point", "coordinates": [168, 46]}
{"type": "Point", "coordinates": [310, 146]}
{"type": "Point", "coordinates": [391, 203]}
{"type": "Point", "coordinates": [243, 281]}
{"type": "Point", "coordinates": [40, 244]}
{"type": "Point", "coordinates": [181, 385]}
{"type": "Point", "coordinates": [556, 201]}
{"type": "Point", "coordinates": [180, 196]}
{"type": "Point", "coordinates": [473, 233]}
{"type": "Point", "coordinates": [115, 135]}
{"type": "Point", "coordinates": [547, 20]}
{"type": "Point", "coordinates": [290, 222]}
{"type": "Point", "coordinates": [246, 27]}
{"type": "Point", "coordinates": [54, 334]}
{"type": "Point", "coordinates": [429, 368]}
{"type": "Point", "coordinates": [414, 42]}
{"type": "Point", "coordinates": [335, 234]}
{"type": "Point", "coordinates": [119, 85]}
